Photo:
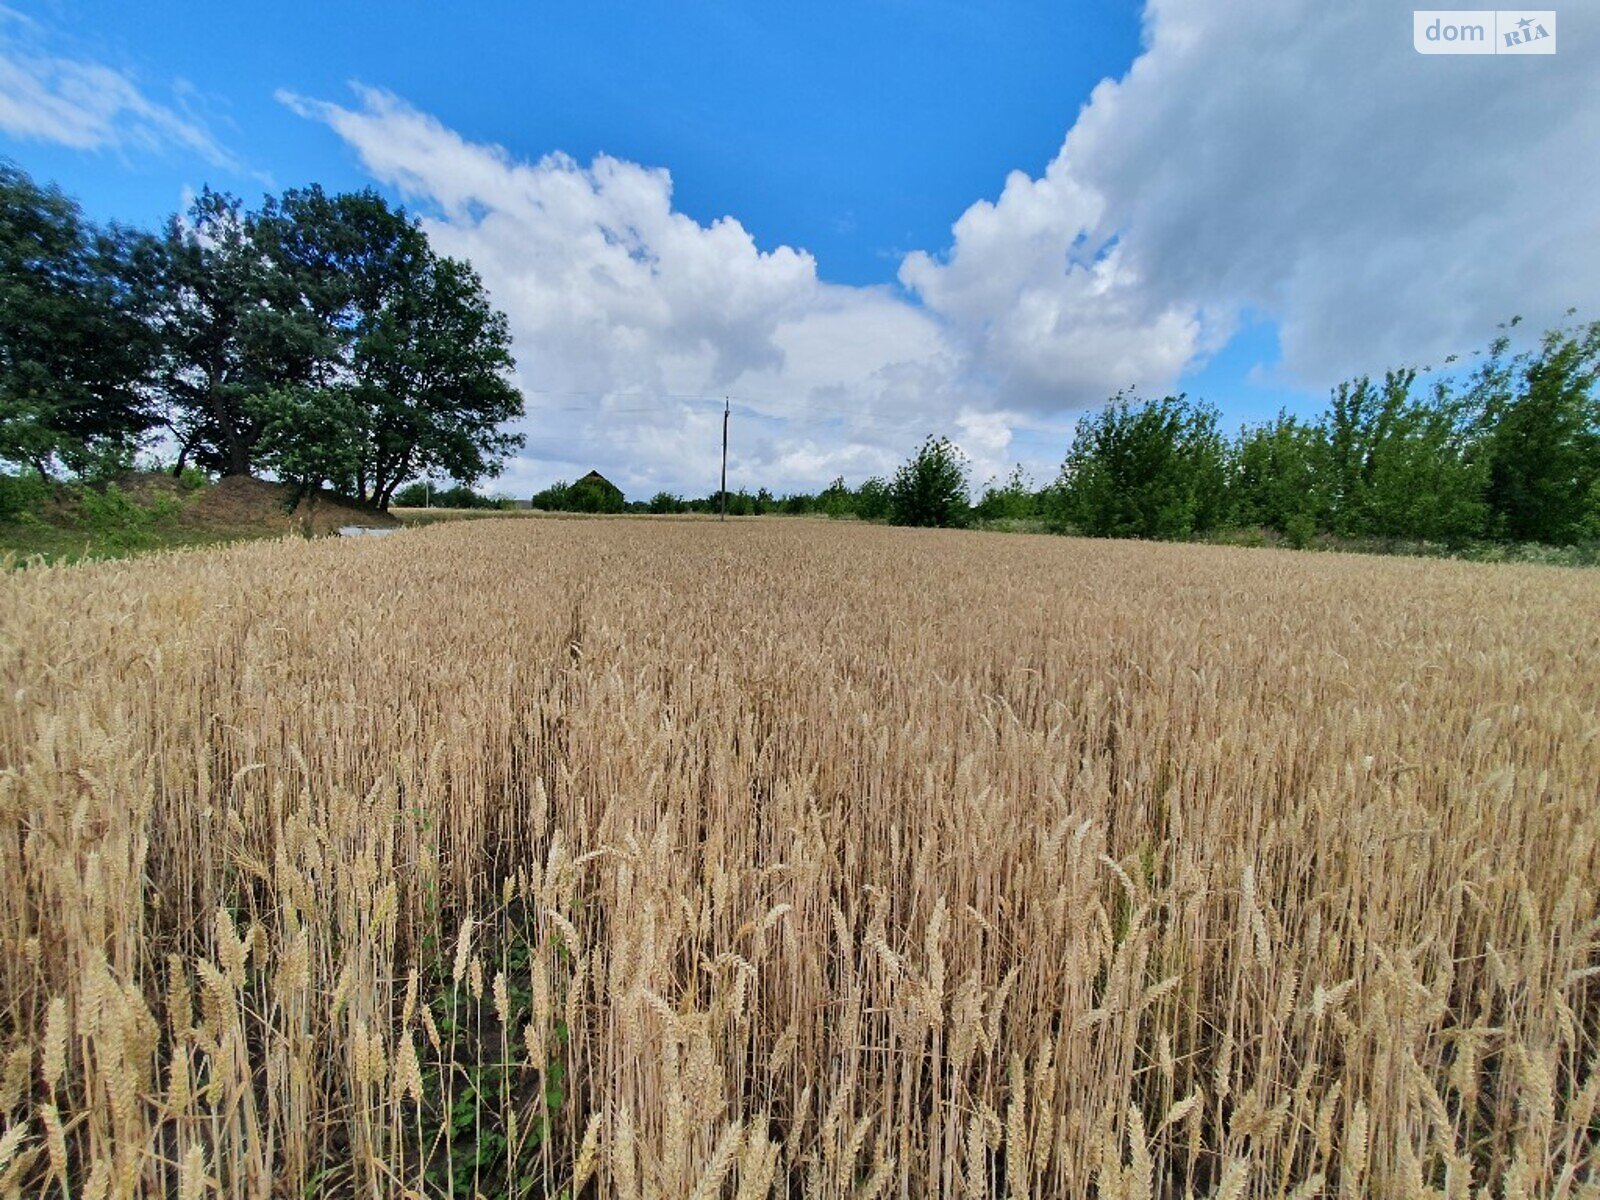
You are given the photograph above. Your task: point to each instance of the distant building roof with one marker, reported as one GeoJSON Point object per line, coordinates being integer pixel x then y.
{"type": "Point", "coordinates": [596, 477]}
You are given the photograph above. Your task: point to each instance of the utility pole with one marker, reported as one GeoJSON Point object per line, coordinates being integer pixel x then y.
{"type": "Point", "coordinates": [723, 494]}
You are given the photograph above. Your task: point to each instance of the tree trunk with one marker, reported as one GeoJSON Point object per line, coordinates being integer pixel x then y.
{"type": "Point", "coordinates": [238, 455]}
{"type": "Point", "coordinates": [236, 447]}
{"type": "Point", "coordinates": [383, 488]}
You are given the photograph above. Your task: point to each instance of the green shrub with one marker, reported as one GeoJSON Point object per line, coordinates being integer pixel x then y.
{"type": "Point", "coordinates": [931, 488]}
{"type": "Point", "coordinates": [872, 500]}
{"type": "Point", "coordinates": [111, 510]}
{"type": "Point", "coordinates": [21, 495]}
{"type": "Point", "coordinates": [1011, 500]}
{"type": "Point", "coordinates": [797, 504]}
{"type": "Point", "coordinates": [665, 502]}
{"type": "Point", "coordinates": [192, 479]}
{"type": "Point", "coordinates": [1144, 468]}
{"type": "Point", "coordinates": [1299, 530]}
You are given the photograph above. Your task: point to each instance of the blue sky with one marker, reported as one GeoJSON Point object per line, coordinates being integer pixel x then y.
{"type": "Point", "coordinates": [873, 220]}
{"type": "Point", "coordinates": [856, 130]}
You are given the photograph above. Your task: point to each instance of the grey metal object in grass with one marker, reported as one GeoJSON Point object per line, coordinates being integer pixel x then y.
{"type": "Point", "coordinates": [364, 531]}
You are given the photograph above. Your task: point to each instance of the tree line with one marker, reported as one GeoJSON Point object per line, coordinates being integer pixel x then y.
{"type": "Point", "coordinates": [1508, 451]}
{"type": "Point", "coordinates": [317, 337]}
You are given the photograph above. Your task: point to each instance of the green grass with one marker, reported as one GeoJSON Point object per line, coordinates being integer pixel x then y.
{"type": "Point", "coordinates": [23, 542]}
{"type": "Point", "coordinates": [1583, 555]}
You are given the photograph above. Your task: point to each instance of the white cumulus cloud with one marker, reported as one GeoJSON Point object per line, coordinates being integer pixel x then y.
{"type": "Point", "coordinates": [616, 301]}
{"type": "Point", "coordinates": [1295, 162]}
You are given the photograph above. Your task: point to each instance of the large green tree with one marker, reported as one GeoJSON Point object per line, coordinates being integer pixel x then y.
{"type": "Point", "coordinates": [321, 338]}
{"type": "Point", "coordinates": [1279, 477]}
{"type": "Point", "coordinates": [1400, 465]}
{"type": "Point", "coordinates": [433, 379]}
{"type": "Point", "coordinates": [1426, 473]}
{"type": "Point", "coordinates": [75, 352]}
{"type": "Point", "coordinates": [414, 378]}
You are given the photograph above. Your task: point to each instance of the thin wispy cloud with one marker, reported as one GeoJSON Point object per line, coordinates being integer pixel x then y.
{"type": "Point", "coordinates": [50, 96]}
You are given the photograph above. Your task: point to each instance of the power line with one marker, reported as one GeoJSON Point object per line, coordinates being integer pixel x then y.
{"type": "Point", "coordinates": [809, 413]}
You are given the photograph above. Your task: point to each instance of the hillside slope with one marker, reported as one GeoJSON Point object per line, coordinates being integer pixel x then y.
{"type": "Point", "coordinates": [149, 511]}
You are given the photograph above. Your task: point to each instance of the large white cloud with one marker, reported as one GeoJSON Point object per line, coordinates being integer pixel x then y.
{"type": "Point", "coordinates": [638, 317]}
{"type": "Point", "coordinates": [1050, 313]}
{"type": "Point", "coordinates": [1293, 161]}
{"type": "Point", "coordinates": [86, 105]}
{"type": "Point", "coordinates": [1298, 160]}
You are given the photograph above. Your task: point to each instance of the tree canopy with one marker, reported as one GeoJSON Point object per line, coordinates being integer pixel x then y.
{"type": "Point", "coordinates": [75, 353]}
{"type": "Point", "coordinates": [930, 488]}
{"type": "Point", "coordinates": [1155, 468]}
{"type": "Point", "coordinates": [416, 380]}
{"type": "Point", "coordinates": [318, 337]}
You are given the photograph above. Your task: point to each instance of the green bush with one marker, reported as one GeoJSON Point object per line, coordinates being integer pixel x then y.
{"type": "Point", "coordinates": [117, 522]}
{"type": "Point", "coordinates": [665, 502]}
{"type": "Point", "coordinates": [192, 479]}
{"type": "Point", "coordinates": [1299, 530]}
{"type": "Point", "coordinates": [110, 510]}
{"type": "Point", "coordinates": [21, 495]}
{"type": "Point", "coordinates": [872, 501]}
{"type": "Point", "coordinates": [797, 504]}
{"type": "Point", "coordinates": [104, 461]}
{"type": "Point", "coordinates": [1012, 500]}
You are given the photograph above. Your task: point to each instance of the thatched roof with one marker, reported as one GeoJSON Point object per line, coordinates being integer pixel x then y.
{"type": "Point", "coordinates": [595, 477]}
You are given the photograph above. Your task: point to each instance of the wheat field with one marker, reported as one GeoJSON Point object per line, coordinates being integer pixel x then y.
{"type": "Point", "coordinates": [783, 858]}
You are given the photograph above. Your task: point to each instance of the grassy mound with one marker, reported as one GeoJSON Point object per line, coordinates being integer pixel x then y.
{"type": "Point", "coordinates": [152, 511]}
